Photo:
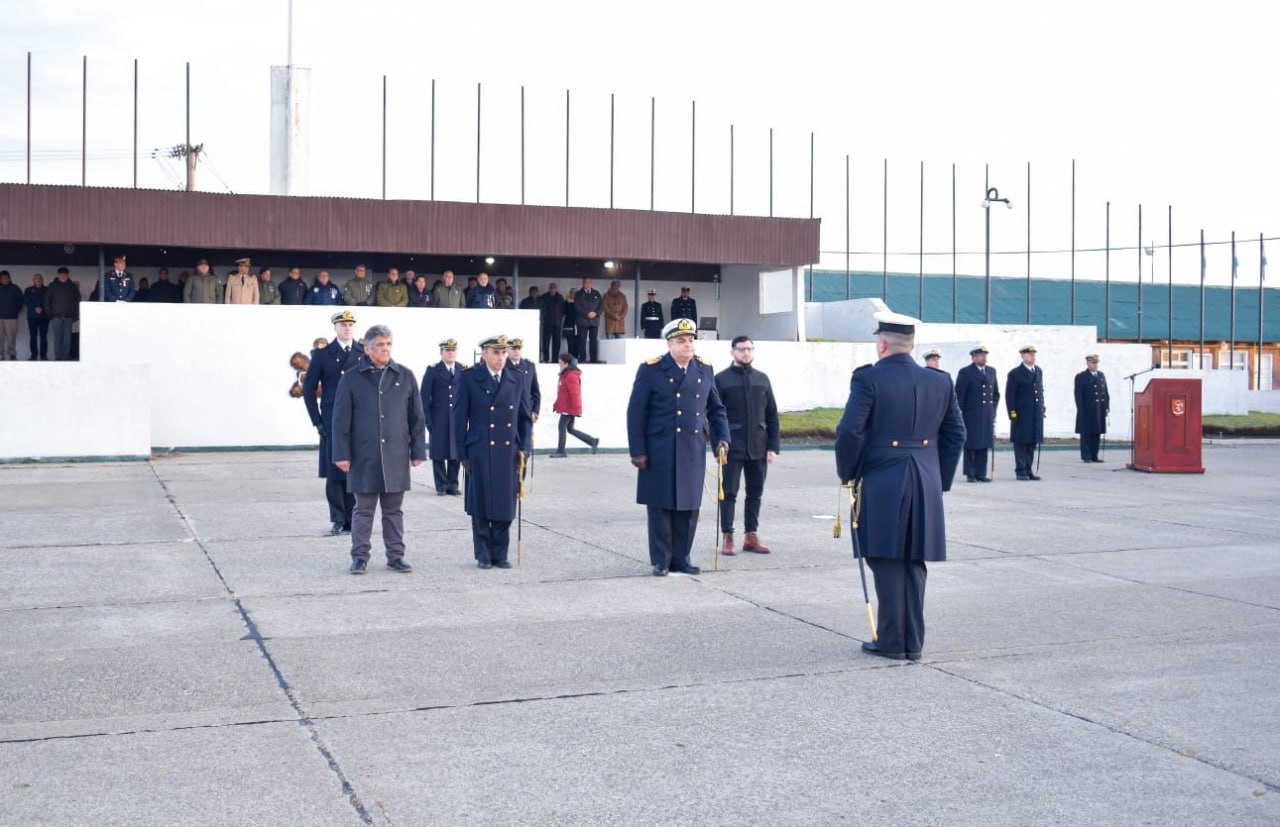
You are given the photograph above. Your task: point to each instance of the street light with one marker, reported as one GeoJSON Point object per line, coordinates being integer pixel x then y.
{"type": "Point", "coordinates": [993, 196]}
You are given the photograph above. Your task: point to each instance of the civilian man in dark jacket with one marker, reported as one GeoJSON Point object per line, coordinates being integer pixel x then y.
{"type": "Point", "coordinates": [1024, 398]}
{"type": "Point", "coordinates": [439, 400]}
{"type": "Point", "coordinates": [482, 295]}
{"type": "Point", "coordinates": [37, 318]}
{"type": "Point", "coordinates": [293, 290]}
{"type": "Point", "coordinates": [978, 394]}
{"type": "Point", "coordinates": [899, 439]}
{"type": "Point", "coordinates": [754, 442]}
{"type": "Point", "coordinates": [589, 307]}
{"type": "Point", "coordinates": [1093, 403]}
{"type": "Point", "coordinates": [493, 427]}
{"type": "Point", "coordinates": [377, 436]}
{"type": "Point", "coordinates": [165, 291]}
{"type": "Point", "coordinates": [551, 303]}
{"type": "Point", "coordinates": [319, 391]}
{"type": "Point", "coordinates": [62, 306]}
{"type": "Point", "coordinates": [674, 407]}
{"type": "Point", "coordinates": [11, 305]}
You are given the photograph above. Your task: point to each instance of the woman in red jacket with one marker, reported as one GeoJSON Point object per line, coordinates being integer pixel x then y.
{"type": "Point", "coordinates": [569, 404]}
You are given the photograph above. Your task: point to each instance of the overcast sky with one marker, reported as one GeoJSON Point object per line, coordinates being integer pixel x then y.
{"type": "Point", "coordinates": [1169, 104]}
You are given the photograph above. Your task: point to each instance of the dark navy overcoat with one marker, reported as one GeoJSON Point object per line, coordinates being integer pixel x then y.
{"type": "Point", "coordinates": [901, 435]}
{"type": "Point", "coordinates": [669, 418]}
{"type": "Point", "coordinates": [1024, 395]}
{"type": "Point", "coordinates": [439, 398]}
{"type": "Point", "coordinates": [978, 393]}
{"type": "Point", "coordinates": [1092, 403]}
{"type": "Point", "coordinates": [493, 425]}
{"type": "Point", "coordinates": [532, 392]}
{"type": "Point", "coordinates": [319, 389]}
{"type": "Point", "coordinates": [378, 427]}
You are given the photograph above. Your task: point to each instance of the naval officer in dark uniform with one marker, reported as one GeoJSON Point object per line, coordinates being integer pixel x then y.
{"type": "Point", "coordinates": [674, 408]}
{"type": "Point", "coordinates": [1024, 397]}
{"type": "Point", "coordinates": [319, 390]}
{"type": "Point", "coordinates": [684, 307]}
{"type": "Point", "coordinates": [900, 437]}
{"type": "Point", "coordinates": [439, 389]}
{"type": "Point", "coordinates": [493, 427]}
{"type": "Point", "coordinates": [978, 393]}
{"type": "Point", "coordinates": [529, 373]}
{"type": "Point", "coordinates": [1093, 403]}
{"type": "Point", "coordinates": [651, 316]}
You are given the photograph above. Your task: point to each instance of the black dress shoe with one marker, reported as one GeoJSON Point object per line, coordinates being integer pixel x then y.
{"type": "Point", "coordinates": [595, 444]}
{"type": "Point", "coordinates": [914, 655]}
{"type": "Point", "coordinates": [335, 529]}
{"type": "Point", "coordinates": [346, 528]}
{"type": "Point", "coordinates": [502, 564]}
{"type": "Point", "coordinates": [453, 492]}
{"type": "Point", "coordinates": [1032, 477]}
{"type": "Point", "coordinates": [871, 648]}
{"type": "Point", "coordinates": [690, 569]}
{"type": "Point", "coordinates": [1023, 477]}
{"type": "Point", "coordinates": [970, 479]}
{"type": "Point", "coordinates": [1097, 460]}
{"type": "Point", "coordinates": [484, 565]}
{"type": "Point", "coordinates": [440, 493]}
{"type": "Point", "coordinates": [659, 571]}
{"type": "Point", "coordinates": [359, 566]}
{"type": "Point", "coordinates": [984, 479]}
{"type": "Point", "coordinates": [399, 565]}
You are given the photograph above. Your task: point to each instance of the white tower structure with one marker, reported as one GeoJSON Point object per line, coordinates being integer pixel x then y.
{"type": "Point", "coordinates": [290, 99]}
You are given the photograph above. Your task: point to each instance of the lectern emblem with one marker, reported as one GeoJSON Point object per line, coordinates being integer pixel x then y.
{"type": "Point", "coordinates": [1178, 406]}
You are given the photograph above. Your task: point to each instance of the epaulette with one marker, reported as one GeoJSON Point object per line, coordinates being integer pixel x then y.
{"type": "Point", "coordinates": [655, 360]}
{"type": "Point", "coordinates": [433, 365]}
{"type": "Point", "coordinates": [702, 361]}
{"type": "Point", "coordinates": [862, 367]}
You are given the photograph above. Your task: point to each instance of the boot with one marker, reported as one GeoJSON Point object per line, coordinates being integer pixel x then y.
{"type": "Point", "coordinates": [727, 547]}
{"type": "Point", "coordinates": [752, 543]}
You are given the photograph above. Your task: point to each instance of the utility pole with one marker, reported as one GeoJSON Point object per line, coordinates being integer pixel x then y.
{"type": "Point", "coordinates": [192, 154]}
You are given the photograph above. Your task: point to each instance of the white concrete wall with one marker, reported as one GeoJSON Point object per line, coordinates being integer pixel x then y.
{"type": "Point", "coordinates": [1223, 392]}
{"type": "Point", "coordinates": [73, 410]}
{"type": "Point", "coordinates": [220, 374]}
{"type": "Point", "coordinates": [740, 307]}
{"type": "Point", "coordinates": [1265, 401]}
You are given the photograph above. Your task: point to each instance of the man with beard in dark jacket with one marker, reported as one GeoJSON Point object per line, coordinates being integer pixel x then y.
{"type": "Point", "coordinates": [62, 306]}
{"type": "Point", "coordinates": [378, 435]}
{"type": "Point", "coordinates": [754, 442]}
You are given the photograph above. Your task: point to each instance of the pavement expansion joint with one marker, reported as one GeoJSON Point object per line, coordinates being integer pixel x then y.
{"type": "Point", "coordinates": [1184, 753]}
{"type": "Point", "coordinates": [304, 719]}
{"type": "Point", "coordinates": [1167, 586]}
{"type": "Point", "coordinates": [148, 731]}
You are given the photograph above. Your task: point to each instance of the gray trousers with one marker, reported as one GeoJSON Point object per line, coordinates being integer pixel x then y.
{"type": "Point", "coordinates": [60, 332]}
{"type": "Point", "coordinates": [9, 339]}
{"type": "Point", "coordinates": [392, 524]}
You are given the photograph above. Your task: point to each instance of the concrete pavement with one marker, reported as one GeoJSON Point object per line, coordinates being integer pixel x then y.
{"type": "Point", "coordinates": [182, 645]}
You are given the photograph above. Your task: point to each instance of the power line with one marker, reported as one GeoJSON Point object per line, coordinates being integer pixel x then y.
{"type": "Point", "coordinates": [1023, 251]}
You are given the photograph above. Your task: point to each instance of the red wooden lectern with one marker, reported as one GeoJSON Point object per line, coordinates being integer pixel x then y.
{"type": "Point", "coordinates": [1166, 435]}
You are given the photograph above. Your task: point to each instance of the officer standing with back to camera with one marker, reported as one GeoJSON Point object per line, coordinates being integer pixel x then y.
{"type": "Point", "coordinates": [1024, 398]}
{"type": "Point", "coordinates": [319, 390]}
{"type": "Point", "coordinates": [900, 438]}
{"type": "Point", "coordinates": [651, 316]}
{"type": "Point", "coordinates": [439, 399]}
{"type": "Point", "coordinates": [674, 407]}
{"type": "Point", "coordinates": [492, 425]}
{"type": "Point", "coordinates": [978, 392]}
{"type": "Point", "coordinates": [1093, 403]}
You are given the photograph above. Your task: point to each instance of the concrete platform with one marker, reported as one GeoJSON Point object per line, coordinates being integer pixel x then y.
{"type": "Point", "coordinates": [181, 643]}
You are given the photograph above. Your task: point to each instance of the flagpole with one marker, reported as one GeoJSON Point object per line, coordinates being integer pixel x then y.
{"type": "Point", "coordinates": [1231, 357]}
{"type": "Point", "coordinates": [1262, 277]}
{"type": "Point", "coordinates": [1202, 269]}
